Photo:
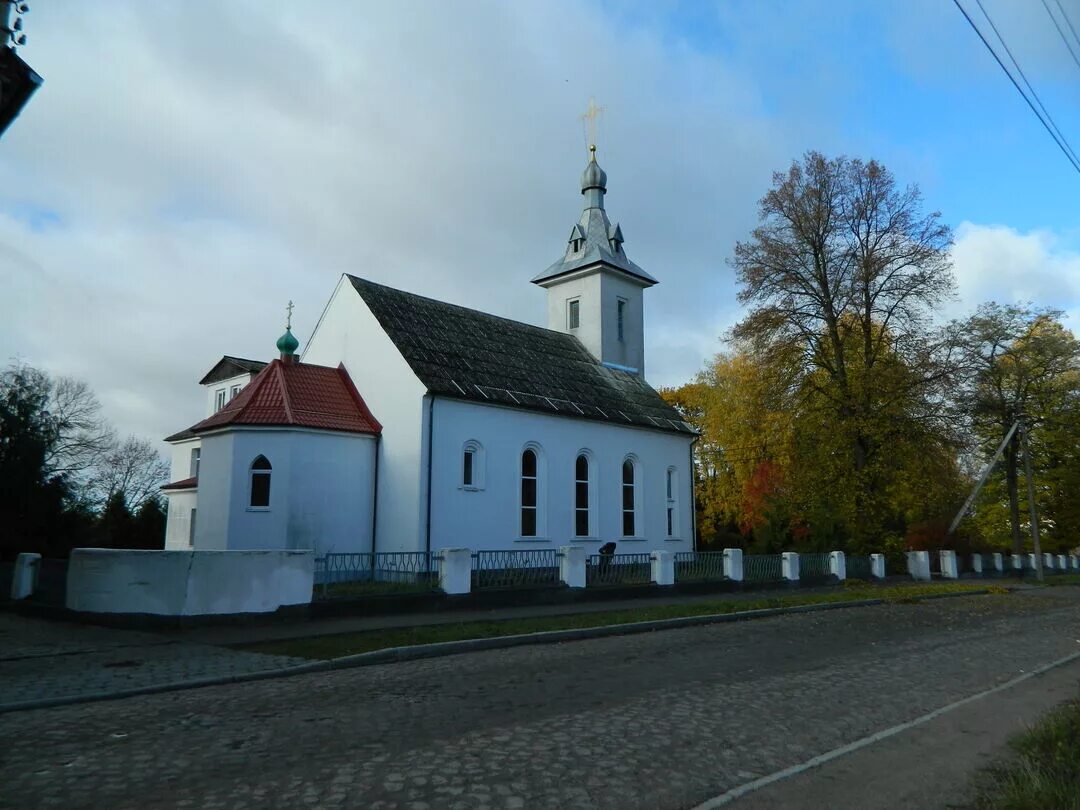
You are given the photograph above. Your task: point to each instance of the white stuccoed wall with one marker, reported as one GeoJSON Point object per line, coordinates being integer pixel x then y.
{"type": "Point", "coordinates": [321, 491]}
{"type": "Point", "coordinates": [489, 518]}
{"type": "Point", "coordinates": [178, 521]}
{"type": "Point", "coordinates": [187, 583]}
{"type": "Point", "coordinates": [348, 333]}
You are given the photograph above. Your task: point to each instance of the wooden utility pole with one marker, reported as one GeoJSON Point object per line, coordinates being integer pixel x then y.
{"type": "Point", "coordinates": [1032, 508]}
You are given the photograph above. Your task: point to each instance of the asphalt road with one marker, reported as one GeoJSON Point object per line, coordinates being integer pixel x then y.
{"type": "Point", "coordinates": [665, 720]}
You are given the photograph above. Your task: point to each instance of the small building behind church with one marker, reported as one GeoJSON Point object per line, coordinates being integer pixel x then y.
{"type": "Point", "coordinates": [411, 424]}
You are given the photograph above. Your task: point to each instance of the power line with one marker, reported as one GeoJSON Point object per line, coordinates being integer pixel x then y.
{"type": "Point", "coordinates": [1061, 33]}
{"type": "Point", "coordinates": [989, 47]}
{"type": "Point", "coordinates": [1020, 70]}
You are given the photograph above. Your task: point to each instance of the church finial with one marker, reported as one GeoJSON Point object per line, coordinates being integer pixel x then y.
{"type": "Point", "coordinates": [287, 344]}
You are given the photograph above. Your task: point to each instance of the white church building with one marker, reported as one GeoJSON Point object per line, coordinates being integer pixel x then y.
{"type": "Point", "coordinates": [410, 424]}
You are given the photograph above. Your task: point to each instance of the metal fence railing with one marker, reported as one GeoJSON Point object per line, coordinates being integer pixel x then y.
{"type": "Point", "coordinates": [699, 566]}
{"type": "Point", "coordinates": [814, 567]}
{"type": "Point", "coordinates": [526, 568]}
{"type": "Point", "coordinates": [762, 568]}
{"type": "Point", "coordinates": [358, 574]}
{"type": "Point", "coordinates": [858, 567]}
{"type": "Point", "coordinates": [618, 569]}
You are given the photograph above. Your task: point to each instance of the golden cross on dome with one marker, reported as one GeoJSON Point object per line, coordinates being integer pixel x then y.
{"type": "Point", "coordinates": [591, 119]}
{"type": "Point", "coordinates": [288, 320]}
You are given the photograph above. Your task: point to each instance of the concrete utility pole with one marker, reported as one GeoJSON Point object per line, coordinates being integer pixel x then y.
{"type": "Point", "coordinates": [982, 478]}
{"type": "Point", "coordinates": [1034, 510]}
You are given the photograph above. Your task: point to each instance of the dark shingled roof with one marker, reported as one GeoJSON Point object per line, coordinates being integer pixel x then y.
{"type": "Point", "coordinates": [462, 353]}
{"type": "Point", "coordinates": [228, 367]}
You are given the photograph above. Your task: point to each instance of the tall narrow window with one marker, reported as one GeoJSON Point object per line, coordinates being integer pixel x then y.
{"type": "Point", "coordinates": [628, 512]}
{"type": "Point", "coordinates": [472, 465]}
{"type": "Point", "coordinates": [219, 399]}
{"type": "Point", "coordinates": [260, 483]}
{"type": "Point", "coordinates": [467, 459]}
{"type": "Point", "coordinates": [196, 454]}
{"type": "Point", "coordinates": [581, 496]}
{"type": "Point", "coordinates": [191, 528]}
{"type": "Point", "coordinates": [621, 317]}
{"type": "Point", "coordinates": [672, 489]}
{"type": "Point", "coordinates": [573, 314]}
{"type": "Point", "coordinates": [528, 493]}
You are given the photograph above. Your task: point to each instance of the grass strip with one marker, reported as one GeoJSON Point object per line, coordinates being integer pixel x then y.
{"type": "Point", "coordinates": [1045, 773]}
{"type": "Point", "coordinates": [335, 646]}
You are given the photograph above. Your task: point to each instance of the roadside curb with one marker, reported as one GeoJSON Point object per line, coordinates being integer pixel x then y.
{"type": "Point", "coordinates": [444, 648]}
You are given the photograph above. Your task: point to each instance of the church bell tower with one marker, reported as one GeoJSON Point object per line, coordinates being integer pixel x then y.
{"type": "Point", "coordinates": [594, 290]}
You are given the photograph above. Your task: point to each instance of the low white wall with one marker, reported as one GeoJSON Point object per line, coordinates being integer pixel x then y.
{"type": "Point", "coordinates": [188, 583]}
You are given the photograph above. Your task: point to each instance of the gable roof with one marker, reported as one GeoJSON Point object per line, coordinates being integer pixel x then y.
{"type": "Point", "coordinates": [466, 354]}
{"type": "Point", "coordinates": [291, 394]}
{"type": "Point", "coordinates": [228, 367]}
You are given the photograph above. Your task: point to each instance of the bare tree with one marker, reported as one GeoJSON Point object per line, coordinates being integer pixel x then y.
{"type": "Point", "coordinates": [132, 467]}
{"type": "Point", "coordinates": [83, 436]}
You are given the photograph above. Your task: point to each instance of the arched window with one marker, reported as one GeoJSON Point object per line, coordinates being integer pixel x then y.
{"type": "Point", "coordinates": [581, 496]}
{"type": "Point", "coordinates": [629, 498]}
{"type": "Point", "coordinates": [672, 501]}
{"type": "Point", "coordinates": [260, 483]}
{"type": "Point", "coordinates": [472, 465]}
{"type": "Point", "coordinates": [529, 492]}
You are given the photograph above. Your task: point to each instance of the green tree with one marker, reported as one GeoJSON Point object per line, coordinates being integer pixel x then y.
{"type": "Point", "coordinates": [842, 273]}
{"type": "Point", "coordinates": [1022, 362]}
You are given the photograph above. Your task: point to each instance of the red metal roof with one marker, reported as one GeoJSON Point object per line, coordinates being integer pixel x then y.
{"type": "Point", "coordinates": [187, 483]}
{"type": "Point", "coordinates": [293, 394]}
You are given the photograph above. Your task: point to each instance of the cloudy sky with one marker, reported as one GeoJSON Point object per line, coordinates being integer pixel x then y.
{"type": "Point", "coordinates": [187, 168]}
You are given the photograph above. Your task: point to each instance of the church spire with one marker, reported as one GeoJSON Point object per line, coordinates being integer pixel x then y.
{"type": "Point", "coordinates": [593, 182]}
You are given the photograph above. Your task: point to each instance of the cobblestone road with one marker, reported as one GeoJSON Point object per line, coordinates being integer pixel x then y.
{"type": "Point", "coordinates": [663, 720]}
{"type": "Point", "coordinates": [40, 659]}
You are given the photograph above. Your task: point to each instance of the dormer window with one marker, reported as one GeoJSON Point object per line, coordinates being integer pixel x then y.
{"type": "Point", "coordinates": [219, 399]}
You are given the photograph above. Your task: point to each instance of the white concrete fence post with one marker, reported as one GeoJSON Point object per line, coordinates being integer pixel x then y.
{"type": "Point", "coordinates": [1062, 562]}
{"type": "Point", "coordinates": [999, 562]}
{"type": "Point", "coordinates": [838, 565]}
{"type": "Point", "coordinates": [976, 564]}
{"type": "Point", "coordinates": [25, 576]}
{"type": "Point", "coordinates": [1032, 562]}
{"type": "Point", "coordinates": [877, 566]}
{"type": "Point", "coordinates": [918, 565]}
{"type": "Point", "coordinates": [1017, 562]}
{"type": "Point", "coordinates": [663, 568]}
{"type": "Point", "coordinates": [572, 566]}
{"type": "Point", "coordinates": [733, 564]}
{"type": "Point", "coordinates": [1075, 560]}
{"type": "Point", "coordinates": [789, 566]}
{"type": "Point", "coordinates": [455, 570]}
{"type": "Point", "coordinates": [949, 569]}
{"type": "Point", "coordinates": [1049, 562]}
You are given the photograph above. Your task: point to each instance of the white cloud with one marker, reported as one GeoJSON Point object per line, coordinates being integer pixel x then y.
{"type": "Point", "coordinates": [998, 263]}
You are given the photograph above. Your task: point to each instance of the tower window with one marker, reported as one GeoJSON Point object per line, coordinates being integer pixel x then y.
{"type": "Point", "coordinates": [196, 454]}
{"type": "Point", "coordinates": [573, 314]}
{"type": "Point", "coordinates": [260, 483]}
{"type": "Point", "coordinates": [621, 317]}
{"type": "Point", "coordinates": [219, 399]}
